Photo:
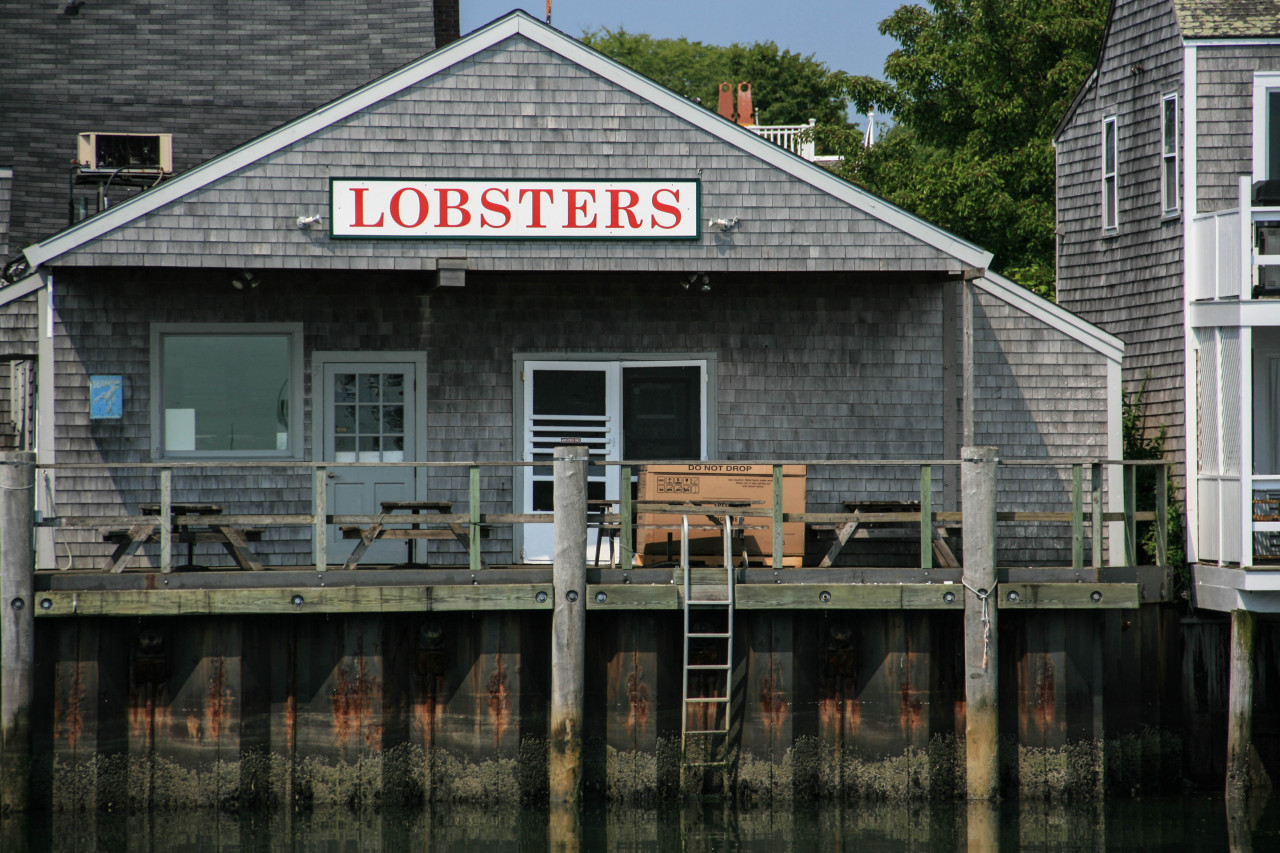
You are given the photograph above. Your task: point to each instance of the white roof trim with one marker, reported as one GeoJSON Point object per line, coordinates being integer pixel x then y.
{"type": "Point", "coordinates": [1053, 314]}
{"type": "Point", "coordinates": [520, 23]}
{"type": "Point", "coordinates": [1248, 41]}
{"type": "Point", "coordinates": [23, 287]}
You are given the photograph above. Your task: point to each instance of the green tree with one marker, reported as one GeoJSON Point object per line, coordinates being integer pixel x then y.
{"type": "Point", "coordinates": [786, 87]}
{"type": "Point", "coordinates": [977, 88]}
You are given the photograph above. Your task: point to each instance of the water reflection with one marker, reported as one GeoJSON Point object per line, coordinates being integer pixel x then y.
{"type": "Point", "coordinates": [1182, 823]}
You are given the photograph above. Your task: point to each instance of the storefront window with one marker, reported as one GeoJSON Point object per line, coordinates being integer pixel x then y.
{"type": "Point", "coordinates": [225, 392]}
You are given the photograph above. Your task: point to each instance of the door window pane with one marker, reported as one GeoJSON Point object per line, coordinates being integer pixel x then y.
{"type": "Point", "coordinates": [376, 425]}
{"type": "Point", "coordinates": [662, 412]}
{"type": "Point", "coordinates": [225, 393]}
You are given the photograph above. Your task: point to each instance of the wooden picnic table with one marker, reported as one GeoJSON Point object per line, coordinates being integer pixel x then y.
{"type": "Point", "coordinates": [380, 530]}
{"type": "Point", "coordinates": [208, 529]}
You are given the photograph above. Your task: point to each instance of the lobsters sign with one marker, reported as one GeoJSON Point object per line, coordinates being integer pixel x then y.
{"type": "Point", "coordinates": [514, 210]}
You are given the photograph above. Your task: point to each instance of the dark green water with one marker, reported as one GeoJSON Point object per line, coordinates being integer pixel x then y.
{"type": "Point", "coordinates": [1167, 823]}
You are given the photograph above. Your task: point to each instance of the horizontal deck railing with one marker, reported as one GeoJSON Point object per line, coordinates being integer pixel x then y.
{"type": "Point", "coordinates": [1085, 476]}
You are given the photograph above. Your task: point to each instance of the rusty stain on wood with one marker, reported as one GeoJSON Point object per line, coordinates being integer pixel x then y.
{"type": "Point", "coordinates": [773, 699]}
{"type": "Point", "coordinates": [499, 707]}
{"type": "Point", "coordinates": [637, 697]}
{"type": "Point", "coordinates": [353, 701]}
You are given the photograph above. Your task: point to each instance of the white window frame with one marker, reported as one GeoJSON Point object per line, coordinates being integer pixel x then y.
{"type": "Point", "coordinates": [616, 362]}
{"type": "Point", "coordinates": [1263, 85]}
{"type": "Point", "coordinates": [1169, 157]}
{"type": "Point", "coordinates": [1110, 184]}
{"type": "Point", "coordinates": [160, 331]}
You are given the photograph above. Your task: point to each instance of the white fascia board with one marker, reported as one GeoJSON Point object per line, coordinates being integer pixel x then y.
{"type": "Point", "coordinates": [516, 23]}
{"type": "Point", "coordinates": [1241, 42]}
{"type": "Point", "coordinates": [1052, 314]}
{"type": "Point", "coordinates": [36, 281]}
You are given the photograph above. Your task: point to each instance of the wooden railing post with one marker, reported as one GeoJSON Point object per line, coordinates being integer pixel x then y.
{"type": "Point", "coordinates": [777, 517]}
{"type": "Point", "coordinates": [1095, 512]}
{"type": "Point", "coordinates": [320, 507]}
{"type": "Point", "coordinates": [568, 623]}
{"type": "Point", "coordinates": [626, 532]}
{"type": "Point", "coordinates": [473, 507]}
{"type": "Point", "coordinates": [978, 486]}
{"type": "Point", "coordinates": [926, 516]}
{"type": "Point", "coordinates": [1162, 516]}
{"type": "Point", "coordinates": [17, 627]}
{"type": "Point", "coordinates": [1077, 517]}
{"type": "Point", "coordinates": [166, 519]}
{"type": "Point", "coordinates": [1130, 515]}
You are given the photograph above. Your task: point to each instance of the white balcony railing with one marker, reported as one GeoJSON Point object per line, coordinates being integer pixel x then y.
{"type": "Point", "coordinates": [792, 137]}
{"type": "Point", "coordinates": [1234, 251]}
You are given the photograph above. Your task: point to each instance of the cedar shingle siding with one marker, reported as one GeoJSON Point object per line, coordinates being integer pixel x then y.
{"type": "Point", "coordinates": [1128, 282]}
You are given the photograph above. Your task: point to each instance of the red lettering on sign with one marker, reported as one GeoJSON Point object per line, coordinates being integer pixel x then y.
{"type": "Point", "coordinates": [536, 220]}
{"type": "Point", "coordinates": [666, 208]}
{"type": "Point", "coordinates": [422, 207]}
{"type": "Point", "coordinates": [616, 208]}
{"type": "Point", "coordinates": [445, 207]}
{"type": "Point", "coordinates": [495, 208]}
{"type": "Point", "coordinates": [360, 223]}
{"type": "Point", "coordinates": [577, 208]}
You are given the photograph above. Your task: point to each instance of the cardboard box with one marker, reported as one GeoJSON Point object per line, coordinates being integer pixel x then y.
{"type": "Point", "coordinates": [715, 481]}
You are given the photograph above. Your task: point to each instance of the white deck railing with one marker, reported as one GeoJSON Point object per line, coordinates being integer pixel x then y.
{"type": "Point", "coordinates": [792, 137]}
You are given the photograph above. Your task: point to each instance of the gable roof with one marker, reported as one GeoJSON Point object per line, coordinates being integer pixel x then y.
{"type": "Point", "coordinates": [1220, 19]}
{"type": "Point", "coordinates": [513, 24]}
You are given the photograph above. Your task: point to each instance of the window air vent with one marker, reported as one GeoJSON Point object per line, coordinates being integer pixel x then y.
{"type": "Point", "coordinates": [128, 152]}
{"type": "Point", "coordinates": [1267, 193]}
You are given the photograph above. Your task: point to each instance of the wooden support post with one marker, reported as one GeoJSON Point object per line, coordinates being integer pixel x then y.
{"type": "Point", "coordinates": [1077, 517]}
{"type": "Point", "coordinates": [568, 623]}
{"type": "Point", "coordinates": [17, 627]}
{"type": "Point", "coordinates": [1240, 706]}
{"type": "Point", "coordinates": [319, 504]}
{"type": "Point", "coordinates": [978, 489]}
{"type": "Point", "coordinates": [777, 517]}
{"type": "Point", "coordinates": [473, 504]}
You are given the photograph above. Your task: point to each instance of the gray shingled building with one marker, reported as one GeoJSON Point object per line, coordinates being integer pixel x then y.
{"type": "Point", "coordinates": [760, 307]}
{"type": "Point", "coordinates": [1168, 219]}
{"type": "Point", "coordinates": [208, 76]}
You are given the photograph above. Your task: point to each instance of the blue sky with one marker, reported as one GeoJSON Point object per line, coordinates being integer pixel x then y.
{"type": "Point", "coordinates": [840, 33]}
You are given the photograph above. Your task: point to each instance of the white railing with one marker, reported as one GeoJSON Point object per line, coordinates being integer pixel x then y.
{"type": "Point", "coordinates": [792, 137]}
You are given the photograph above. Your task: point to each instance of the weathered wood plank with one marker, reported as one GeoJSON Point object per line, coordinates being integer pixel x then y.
{"type": "Point", "coordinates": [281, 600]}
{"type": "Point", "coordinates": [1059, 596]}
{"type": "Point", "coordinates": [630, 596]}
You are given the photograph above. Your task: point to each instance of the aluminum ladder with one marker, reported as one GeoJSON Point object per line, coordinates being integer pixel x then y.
{"type": "Point", "coordinates": [705, 723]}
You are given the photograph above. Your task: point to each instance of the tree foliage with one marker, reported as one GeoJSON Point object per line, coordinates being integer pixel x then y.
{"type": "Point", "coordinates": [787, 88]}
{"type": "Point", "coordinates": [977, 88]}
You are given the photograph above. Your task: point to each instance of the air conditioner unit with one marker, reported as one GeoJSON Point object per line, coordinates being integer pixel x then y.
{"type": "Point", "coordinates": [128, 152]}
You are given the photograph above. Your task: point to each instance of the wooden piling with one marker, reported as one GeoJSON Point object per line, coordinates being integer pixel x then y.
{"type": "Point", "coordinates": [568, 623]}
{"type": "Point", "coordinates": [1240, 706]}
{"type": "Point", "coordinates": [17, 627]}
{"type": "Point", "coordinates": [978, 486]}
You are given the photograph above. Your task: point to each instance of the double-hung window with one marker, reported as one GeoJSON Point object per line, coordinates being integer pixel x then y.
{"type": "Point", "coordinates": [1110, 169]}
{"type": "Point", "coordinates": [226, 390]}
{"type": "Point", "coordinates": [1169, 153]}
